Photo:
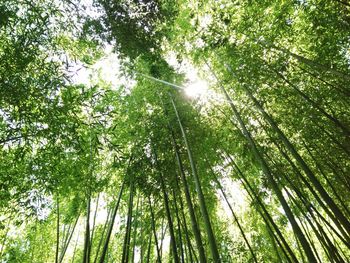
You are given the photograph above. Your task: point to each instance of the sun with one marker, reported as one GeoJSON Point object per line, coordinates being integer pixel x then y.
{"type": "Point", "coordinates": [196, 89]}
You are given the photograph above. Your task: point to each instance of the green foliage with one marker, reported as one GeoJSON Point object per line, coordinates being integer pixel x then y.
{"type": "Point", "coordinates": [138, 27]}
{"type": "Point", "coordinates": [275, 132]}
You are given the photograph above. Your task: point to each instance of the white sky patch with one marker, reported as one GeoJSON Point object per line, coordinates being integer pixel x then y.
{"type": "Point", "coordinates": [107, 70]}
{"type": "Point", "coordinates": [199, 43]}
{"type": "Point", "coordinates": [236, 196]}
{"type": "Point", "coordinates": [232, 188]}
{"type": "Point", "coordinates": [81, 74]}
{"type": "Point", "coordinates": [238, 201]}
{"type": "Point", "coordinates": [234, 192]}
{"type": "Point", "coordinates": [205, 20]}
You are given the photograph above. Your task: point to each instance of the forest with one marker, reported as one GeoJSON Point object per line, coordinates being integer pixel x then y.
{"type": "Point", "coordinates": [174, 131]}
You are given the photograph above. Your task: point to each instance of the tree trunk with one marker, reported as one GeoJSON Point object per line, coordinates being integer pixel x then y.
{"type": "Point", "coordinates": [194, 224]}
{"type": "Point", "coordinates": [233, 214]}
{"type": "Point", "coordinates": [322, 204]}
{"type": "Point", "coordinates": [332, 205]}
{"type": "Point", "coordinates": [86, 253]}
{"type": "Point", "coordinates": [168, 213]}
{"type": "Point", "coordinates": [136, 219]}
{"type": "Point", "coordinates": [110, 229]}
{"type": "Point", "coordinates": [93, 222]}
{"type": "Point", "coordinates": [184, 220]}
{"type": "Point", "coordinates": [306, 61]}
{"type": "Point", "coordinates": [109, 213]}
{"type": "Point", "coordinates": [68, 240]}
{"type": "Point", "coordinates": [254, 196]}
{"type": "Point", "coordinates": [203, 208]}
{"type": "Point", "coordinates": [126, 246]}
{"type": "Point", "coordinates": [340, 89]}
{"type": "Point", "coordinates": [142, 230]}
{"type": "Point", "coordinates": [315, 105]}
{"type": "Point", "coordinates": [57, 230]}
{"type": "Point", "coordinates": [270, 177]}
{"type": "Point", "coordinates": [75, 247]}
{"type": "Point", "coordinates": [326, 179]}
{"type": "Point", "coordinates": [178, 228]}
{"type": "Point", "coordinates": [149, 248]}
{"type": "Point", "coordinates": [154, 230]}
{"type": "Point", "coordinates": [162, 236]}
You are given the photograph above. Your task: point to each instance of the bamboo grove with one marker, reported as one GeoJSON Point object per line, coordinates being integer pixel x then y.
{"type": "Point", "coordinates": [135, 170]}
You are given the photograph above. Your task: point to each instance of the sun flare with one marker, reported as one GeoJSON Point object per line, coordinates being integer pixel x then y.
{"type": "Point", "coordinates": [196, 89]}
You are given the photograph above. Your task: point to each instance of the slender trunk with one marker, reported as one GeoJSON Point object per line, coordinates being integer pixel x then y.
{"type": "Point", "coordinates": [276, 236]}
{"type": "Point", "coordinates": [234, 215]}
{"type": "Point", "coordinates": [68, 240]}
{"type": "Point", "coordinates": [306, 61]}
{"type": "Point", "coordinates": [57, 230]}
{"type": "Point", "coordinates": [299, 206]}
{"type": "Point", "coordinates": [338, 171]}
{"type": "Point", "coordinates": [63, 236]}
{"type": "Point", "coordinates": [333, 251]}
{"type": "Point", "coordinates": [184, 219]}
{"type": "Point", "coordinates": [327, 245]}
{"type": "Point", "coordinates": [141, 232]}
{"type": "Point", "coordinates": [94, 222]}
{"type": "Point", "coordinates": [326, 178]}
{"type": "Point", "coordinates": [300, 196]}
{"type": "Point", "coordinates": [203, 208]}
{"type": "Point", "coordinates": [170, 224]}
{"type": "Point", "coordinates": [86, 253]}
{"type": "Point", "coordinates": [194, 224]}
{"type": "Point", "coordinates": [271, 179]}
{"type": "Point", "coordinates": [335, 241]}
{"type": "Point", "coordinates": [315, 105]}
{"type": "Point", "coordinates": [324, 206]}
{"type": "Point", "coordinates": [275, 239]}
{"type": "Point", "coordinates": [340, 89]}
{"type": "Point", "coordinates": [332, 255]}
{"type": "Point", "coordinates": [75, 247]}
{"type": "Point", "coordinates": [126, 246]}
{"type": "Point", "coordinates": [109, 213]}
{"type": "Point", "coordinates": [193, 253]}
{"type": "Point", "coordinates": [332, 205]}
{"type": "Point", "coordinates": [149, 248]}
{"type": "Point", "coordinates": [66, 235]}
{"type": "Point", "coordinates": [162, 236]}
{"type": "Point", "coordinates": [171, 251]}
{"type": "Point", "coordinates": [319, 231]}
{"type": "Point", "coordinates": [326, 223]}
{"type": "Point", "coordinates": [135, 230]}
{"type": "Point", "coordinates": [300, 249]}
{"type": "Point", "coordinates": [332, 137]}
{"type": "Point", "coordinates": [154, 230]}
{"type": "Point", "coordinates": [168, 213]}
{"type": "Point", "coordinates": [178, 228]}
{"type": "Point", "coordinates": [188, 239]}
{"type": "Point", "coordinates": [110, 229]}
{"type": "Point", "coordinates": [254, 196]}
{"type": "Point", "coordinates": [309, 237]}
